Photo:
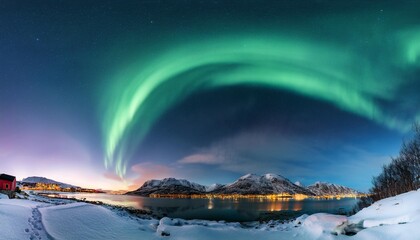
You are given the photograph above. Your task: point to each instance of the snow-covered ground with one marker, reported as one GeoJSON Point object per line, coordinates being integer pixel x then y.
{"type": "Point", "coordinates": [392, 218]}
{"type": "Point", "coordinates": [3, 196]}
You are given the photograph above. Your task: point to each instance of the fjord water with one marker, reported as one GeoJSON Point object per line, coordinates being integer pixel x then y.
{"type": "Point", "coordinates": [240, 210]}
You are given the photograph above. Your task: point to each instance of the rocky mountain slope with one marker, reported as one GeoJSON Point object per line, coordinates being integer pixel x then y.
{"type": "Point", "coordinates": [323, 188]}
{"type": "Point", "coordinates": [169, 186]}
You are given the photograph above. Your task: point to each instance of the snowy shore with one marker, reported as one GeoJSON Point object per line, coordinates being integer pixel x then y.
{"type": "Point", "coordinates": [392, 218]}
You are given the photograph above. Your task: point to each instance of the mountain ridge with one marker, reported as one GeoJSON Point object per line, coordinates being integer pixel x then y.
{"type": "Point", "coordinates": [249, 184]}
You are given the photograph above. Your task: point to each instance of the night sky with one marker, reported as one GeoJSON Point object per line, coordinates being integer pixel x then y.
{"type": "Point", "coordinates": [108, 94]}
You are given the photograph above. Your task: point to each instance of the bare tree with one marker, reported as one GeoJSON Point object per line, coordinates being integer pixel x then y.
{"type": "Point", "coordinates": [403, 173]}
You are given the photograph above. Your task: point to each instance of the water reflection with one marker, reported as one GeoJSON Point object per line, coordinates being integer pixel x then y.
{"type": "Point", "coordinates": [210, 204]}
{"type": "Point", "coordinates": [223, 209]}
{"type": "Point", "coordinates": [298, 206]}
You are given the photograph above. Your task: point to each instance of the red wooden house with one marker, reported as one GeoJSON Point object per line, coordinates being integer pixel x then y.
{"type": "Point", "coordinates": [7, 182]}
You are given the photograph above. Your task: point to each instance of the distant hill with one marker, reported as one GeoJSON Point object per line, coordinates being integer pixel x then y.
{"type": "Point", "coordinates": [323, 188]}
{"type": "Point", "coordinates": [35, 179]}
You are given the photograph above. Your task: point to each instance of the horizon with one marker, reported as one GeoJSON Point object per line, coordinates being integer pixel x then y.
{"type": "Point", "coordinates": [159, 179]}
{"type": "Point", "coordinates": [106, 96]}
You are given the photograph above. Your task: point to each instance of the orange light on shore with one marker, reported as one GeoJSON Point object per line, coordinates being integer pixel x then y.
{"type": "Point", "coordinates": [259, 197]}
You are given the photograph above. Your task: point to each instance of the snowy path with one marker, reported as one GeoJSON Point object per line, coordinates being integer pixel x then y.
{"type": "Point", "coordinates": [36, 228]}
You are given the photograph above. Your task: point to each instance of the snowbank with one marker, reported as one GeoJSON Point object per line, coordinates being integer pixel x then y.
{"type": "Point", "coordinates": [14, 215]}
{"type": "Point", "coordinates": [87, 221]}
{"type": "Point", "coordinates": [323, 223]}
{"type": "Point", "coordinates": [209, 230]}
{"type": "Point", "coordinates": [3, 196]}
{"type": "Point", "coordinates": [391, 218]}
{"type": "Point", "coordinates": [12, 218]}
{"type": "Point", "coordinates": [400, 209]}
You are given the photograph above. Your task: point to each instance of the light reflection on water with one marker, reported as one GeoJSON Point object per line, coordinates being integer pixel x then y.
{"type": "Point", "coordinates": [222, 209]}
{"type": "Point", "coordinates": [210, 205]}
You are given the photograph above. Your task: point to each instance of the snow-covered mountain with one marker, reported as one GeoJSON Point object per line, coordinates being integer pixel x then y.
{"type": "Point", "coordinates": [169, 186]}
{"type": "Point", "coordinates": [249, 184]}
{"type": "Point", "coordinates": [265, 184]}
{"type": "Point", "coordinates": [214, 187]}
{"type": "Point", "coordinates": [35, 179]}
{"type": "Point", "coordinates": [323, 188]}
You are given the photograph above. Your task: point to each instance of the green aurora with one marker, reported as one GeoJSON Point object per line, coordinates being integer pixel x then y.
{"type": "Point", "coordinates": [350, 80]}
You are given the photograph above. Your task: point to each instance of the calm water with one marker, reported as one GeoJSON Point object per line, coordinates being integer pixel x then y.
{"type": "Point", "coordinates": [223, 209]}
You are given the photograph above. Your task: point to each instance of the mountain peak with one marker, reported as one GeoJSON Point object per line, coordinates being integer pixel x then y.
{"type": "Point", "coordinates": [273, 176]}
{"type": "Point", "coordinates": [299, 184]}
{"type": "Point", "coordinates": [250, 176]}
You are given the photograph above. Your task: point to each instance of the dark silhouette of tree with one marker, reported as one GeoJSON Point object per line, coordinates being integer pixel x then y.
{"type": "Point", "coordinates": [403, 173]}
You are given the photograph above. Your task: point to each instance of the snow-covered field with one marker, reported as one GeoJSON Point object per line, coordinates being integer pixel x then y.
{"type": "Point", "coordinates": [392, 218]}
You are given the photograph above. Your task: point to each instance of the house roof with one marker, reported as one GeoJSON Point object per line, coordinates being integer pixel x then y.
{"type": "Point", "coordinates": [7, 177]}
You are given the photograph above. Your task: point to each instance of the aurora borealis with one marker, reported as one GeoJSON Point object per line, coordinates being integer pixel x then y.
{"type": "Point", "coordinates": [209, 91]}
{"type": "Point", "coordinates": [305, 69]}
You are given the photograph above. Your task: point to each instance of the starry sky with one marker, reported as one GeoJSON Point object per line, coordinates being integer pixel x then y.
{"type": "Point", "coordinates": [108, 94]}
